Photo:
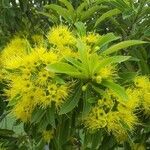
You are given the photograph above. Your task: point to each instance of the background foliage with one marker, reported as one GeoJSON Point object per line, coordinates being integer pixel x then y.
{"type": "Point", "coordinates": [128, 19]}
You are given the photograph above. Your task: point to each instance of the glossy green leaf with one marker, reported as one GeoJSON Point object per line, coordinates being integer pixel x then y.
{"type": "Point", "coordinates": [122, 45]}
{"type": "Point", "coordinates": [50, 114]}
{"type": "Point", "coordinates": [81, 28]}
{"type": "Point", "coordinates": [63, 68]}
{"type": "Point", "coordinates": [60, 10]}
{"type": "Point", "coordinates": [105, 39]}
{"type": "Point", "coordinates": [117, 89]}
{"type": "Point", "coordinates": [106, 15]}
{"type": "Point", "coordinates": [110, 60]}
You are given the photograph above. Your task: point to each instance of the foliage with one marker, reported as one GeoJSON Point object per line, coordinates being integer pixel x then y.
{"type": "Point", "coordinates": [74, 74]}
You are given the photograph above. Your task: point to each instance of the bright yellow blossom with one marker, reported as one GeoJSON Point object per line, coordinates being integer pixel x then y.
{"type": "Point", "coordinates": [91, 38]}
{"type": "Point", "coordinates": [61, 36]}
{"type": "Point", "coordinates": [96, 119]}
{"type": "Point", "coordinates": [14, 52]}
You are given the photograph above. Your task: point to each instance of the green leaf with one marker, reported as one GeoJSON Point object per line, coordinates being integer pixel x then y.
{"type": "Point", "coordinates": [52, 17]}
{"type": "Point", "coordinates": [70, 8]}
{"type": "Point", "coordinates": [37, 115]}
{"type": "Point", "coordinates": [72, 102]}
{"type": "Point", "coordinates": [122, 45]}
{"type": "Point", "coordinates": [119, 90]}
{"type": "Point", "coordinates": [105, 39]}
{"type": "Point", "coordinates": [126, 77]}
{"type": "Point", "coordinates": [80, 8]}
{"type": "Point", "coordinates": [67, 4]}
{"type": "Point", "coordinates": [81, 28]}
{"type": "Point", "coordinates": [97, 139]}
{"type": "Point", "coordinates": [106, 15]}
{"type": "Point", "coordinates": [110, 60]}
{"type": "Point", "coordinates": [74, 62]}
{"type": "Point", "coordinates": [91, 11]}
{"type": "Point", "coordinates": [50, 114]}
{"type": "Point", "coordinates": [63, 68]}
{"type": "Point", "coordinates": [60, 11]}
{"type": "Point", "coordinates": [86, 105]}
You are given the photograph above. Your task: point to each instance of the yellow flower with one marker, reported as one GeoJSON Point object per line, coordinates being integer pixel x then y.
{"type": "Point", "coordinates": [146, 102]}
{"type": "Point", "coordinates": [47, 135]}
{"type": "Point", "coordinates": [43, 76]}
{"type": "Point", "coordinates": [96, 119]}
{"type": "Point", "coordinates": [107, 72]}
{"type": "Point", "coordinates": [61, 36]}
{"type": "Point", "coordinates": [49, 57]}
{"type": "Point", "coordinates": [143, 85]}
{"type": "Point", "coordinates": [23, 109]}
{"type": "Point", "coordinates": [134, 99]}
{"type": "Point", "coordinates": [120, 123]}
{"type": "Point", "coordinates": [67, 51]}
{"type": "Point", "coordinates": [91, 38]}
{"type": "Point", "coordinates": [14, 51]}
{"type": "Point", "coordinates": [142, 81]}
{"type": "Point", "coordinates": [129, 118]}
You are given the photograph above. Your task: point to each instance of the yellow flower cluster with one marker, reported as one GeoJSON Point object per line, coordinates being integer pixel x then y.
{"type": "Point", "coordinates": [112, 116]}
{"type": "Point", "coordinates": [61, 37]}
{"type": "Point", "coordinates": [34, 85]}
{"type": "Point", "coordinates": [119, 117]}
{"type": "Point", "coordinates": [24, 65]}
{"type": "Point", "coordinates": [142, 84]}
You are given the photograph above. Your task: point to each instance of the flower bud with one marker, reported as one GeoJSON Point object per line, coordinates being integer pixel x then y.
{"type": "Point", "coordinates": [84, 87]}
{"type": "Point", "coordinates": [98, 79]}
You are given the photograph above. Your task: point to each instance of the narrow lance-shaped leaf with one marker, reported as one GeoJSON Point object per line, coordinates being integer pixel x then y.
{"type": "Point", "coordinates": [52, 17]}
{"type": "Point", "coordinates": [117, 89]}
{"type": "Point", "coordinates": [106, 15]}
{"type": "Point", "coordinates": [86, 105]}
{"type": "Point", "coordinates": [63, 68]}
{"type": "Point", "coordinates": [60, 10]}
{"type": "Point", "coordinates": [122, 45]}
{"type": "Point", "coordinates": [105, 39]}
{"type": "Point", "coordinates": [91, 11]}
{"type": "Point", "coordinates": [80, 8]}
{"type": "Point", "coordinates": [74, 62]}
{"type": "Point", "coordinates": [81, 28]}
{"type": "Point", "coordinates": [67, 4]}
{"type": "Point", "coordinates": [110, 60]}
{"type": "Point", "coordinates": [50, 114]}
{"type": "Point", "coordinates": [72, 102]}
{"type": "Point", "coordinates": [69, 7]}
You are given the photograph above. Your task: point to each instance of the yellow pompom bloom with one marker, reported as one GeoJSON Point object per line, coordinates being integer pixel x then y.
{"type": "Point", "coordinates": [120, 123]}
{"type": "Point", "coordinates": [61, 36]}
{"type": "Point", "coordinates": [134, 99]}
{"type": "Point", "coordinates": [14, 52]}
{"type": "Point", "coordinates": [112, 121]}
{"type": "Point", "coordinates": [23, 109]}
{"type": "Point", "coordinates": [146, 102]}
{"type": "Point", "coordinates": [96, 119]}
{"type": "Point", "coordinates": [91, 38]}
{"type": "Point", "coordinates": [143, 85]}
{"type": "Point", "coordinates": [107, 72]}
{"type": "Point", "coordinates": [47, 135]}
{"type": "Point", "coordinates": [49, 57]}
{"type": "Point", "coordinates": [142, 81]}
{"type": "Point", "coordinates": [129, 118]}
{"type": "Point", "coordinates": [114, 126]}
{"type": "Point", "coordinates": [66, 51]}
